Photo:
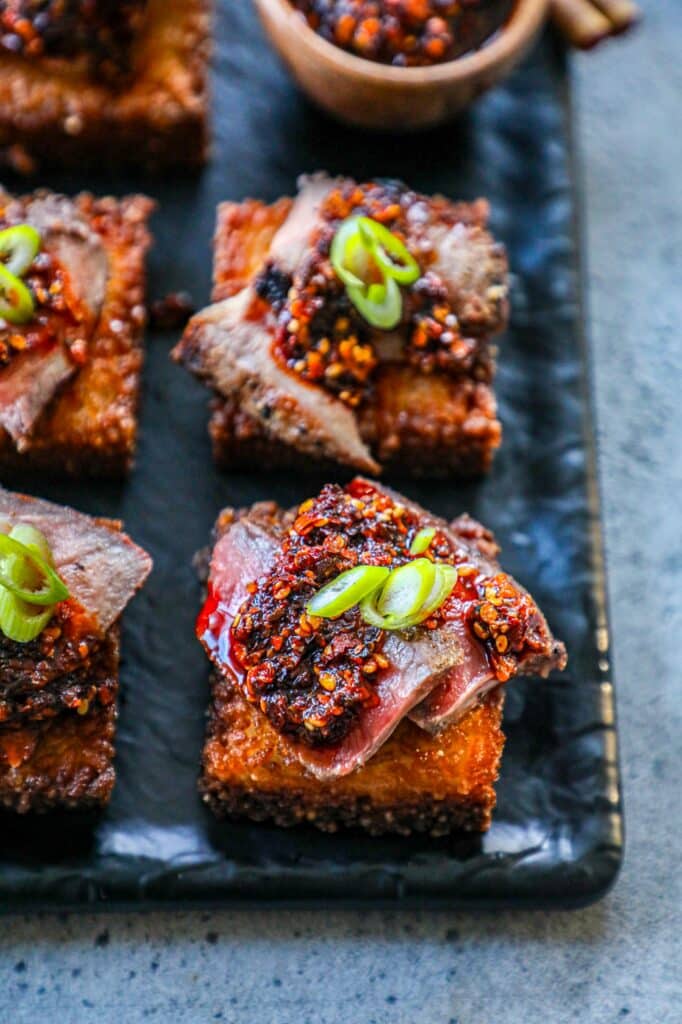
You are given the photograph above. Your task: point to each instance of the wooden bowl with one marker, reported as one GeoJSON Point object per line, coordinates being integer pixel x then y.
{"type": "Point", "coordinates": [373, 95]}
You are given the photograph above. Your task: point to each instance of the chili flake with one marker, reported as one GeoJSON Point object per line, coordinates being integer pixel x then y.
{"type": "Point", "coordinates": [406, 33]}
{"type": "Point", "coordinates": [313, 677]}
{"type": "Point", "coordinates": [318, 332]}
{"type": "Point", "coordinates": [57, 311]}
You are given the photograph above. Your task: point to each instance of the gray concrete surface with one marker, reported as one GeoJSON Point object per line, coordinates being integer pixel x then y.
{"type": "Point", "coordinates": [617, 961]}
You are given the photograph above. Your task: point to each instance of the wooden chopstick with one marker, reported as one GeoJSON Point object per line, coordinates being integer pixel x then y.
{"type": "Point", "coordinates": [587, 22]}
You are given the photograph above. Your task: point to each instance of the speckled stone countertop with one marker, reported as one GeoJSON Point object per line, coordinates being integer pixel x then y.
{"type": "Point", "coordinates": [611, 963]}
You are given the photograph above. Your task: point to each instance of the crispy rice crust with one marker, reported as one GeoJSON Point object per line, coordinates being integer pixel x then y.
{"type": "Point", "coordinates": [423, 426]}
{"type": "Point", "coordinates": [415, 783]}
{"type": "Point", "coordinates": [52, 112]}
{"type": "Point", "coordinates": [65, 761]}
{"type": "Point", "coordinates": [416, 425]}
{"type": "Point", "coordinates": [242, 239]}
{"type": "Point", "coordinates": [90, 428]}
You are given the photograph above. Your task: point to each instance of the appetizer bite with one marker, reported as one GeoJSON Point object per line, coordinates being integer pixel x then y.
{"type": "Point", "coordinates": [72, 314]}
{"type": "Point", "coordinates": [353, 325]}
{"type": "Point", "coordinates": [65, 579]}
{"type": "Point", "coordinates": [93, 81]}
{"type": "Point", "coordinates": [405, 33]}
{"type": "Point", "coordinates": [359, 646]}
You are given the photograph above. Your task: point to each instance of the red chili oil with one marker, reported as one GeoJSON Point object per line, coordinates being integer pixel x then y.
{"type": "Point", "coordinates": [58, 310]}
{"type": "Point", "coordinates": [312, 677]}
{"type": "Point", "coordinates": [318, 332]}
{"type": "Point", "coordinates": [406, 33]}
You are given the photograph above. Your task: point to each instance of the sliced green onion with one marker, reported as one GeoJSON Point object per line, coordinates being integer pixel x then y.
{"type": "Point", "coordinates": [422, 540]}
{"type": "Point", "coordinates": [16, 560]}
{"type": "Point", "coordinates": [29, 586]}
{"type": "Point", "coordinates": [388, 599]}
{"type": "Point", "coordinates": [380, 304]}
{"type": "Point", "coordinates": [16, 302]}
{"type": "Point", "coordinates": [19, 247]}
{"type": "Point", "coordinates": [372, 262]}
{"type": "Point", "coordinates": [20, 621]}
{"type": "Point", "coordinates": [361, 269]}
{"type": "Point", "coordinates": [347, 590]}
{"type": "Point", "coordinates": [32, 538]}
{"type": "Point", "coordinates": [373, 617]}
{"type": "Point", "coordinates": [406, 589]}
{"type": "Point", "coordinates": [443, 585]}
{"type": "Point", "coordinates": [345, 253]}
{"type": "Point", "coordinates": [444, 579]}
{"type": "Point", "coordinates": [20, 570]}
{"type": "Point", "coordinates": [391, 254]}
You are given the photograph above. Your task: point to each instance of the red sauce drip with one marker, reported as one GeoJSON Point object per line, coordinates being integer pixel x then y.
{"type": "Point", "coordinates": [214, 632]}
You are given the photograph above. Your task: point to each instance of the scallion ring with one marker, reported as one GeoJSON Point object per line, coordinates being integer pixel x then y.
{"type": "Point", "coordinates": [390, 253]}
{"type": "Point", "coordinates": [444, 579]}
{"type": "Point", "coordinates": [406, 589]}
{"type": "Point", "coordinates": [380, 304]}
{"type": "Point", "coordinates": [16, 302]}
{"type": "Point", "coordinates": [20, 621]}
{"type": "Point", "coordinates": [17, 560]}
{"type": "Point", "coordinates": [422, 540]}
{"type": "Point", "coordinates": [372, 262]}
{"type": "Point", "coordinates": [20, 570]}
{"type": "Point", "coordinates": [346, 250]}
{"type": "Point", "coordinates": [19, 246]}
{"type": "Point", "coordinates": [443, 585]}
{"type": "Point", "coordinates": [373, 617]}
{"type": "Point", "coordinates": [32, 538]}
{"type": "Point", "coordinates": [346, 590]}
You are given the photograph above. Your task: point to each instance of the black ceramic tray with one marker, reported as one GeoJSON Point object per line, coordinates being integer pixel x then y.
{"type": "Point", "coordinates": [556, 837]}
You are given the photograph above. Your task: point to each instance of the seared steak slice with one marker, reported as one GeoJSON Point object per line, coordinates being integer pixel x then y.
{"type": "Point", "coordinates": [32, 379]}
{"type": "Point", "coordinates": [292, 241]}
{"type": "Point", "coordinates": [73, 242]}
{"type": "Point", "coordinates": [418, 662]}
{"type": "Point", "coordinates": [27, 385]}
{"type": "Point", "coordinates": [101, 566]}
{"type": "Point", "coordinates": [472, 267]}
{"type": "Point", "coordinates": [468, 682]}
{"type": "Point", "coordinates": [102, 569]}
{"type": "Point", "coordinates": [538, 652]}
{"type": "Point", "coordinates": [244, 552]}
{"type": "Point", "coordinates": [228, 345]}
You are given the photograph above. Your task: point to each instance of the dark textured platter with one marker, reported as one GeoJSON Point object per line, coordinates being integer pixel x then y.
{"type": "Point", "coordinates": [556, 839]}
